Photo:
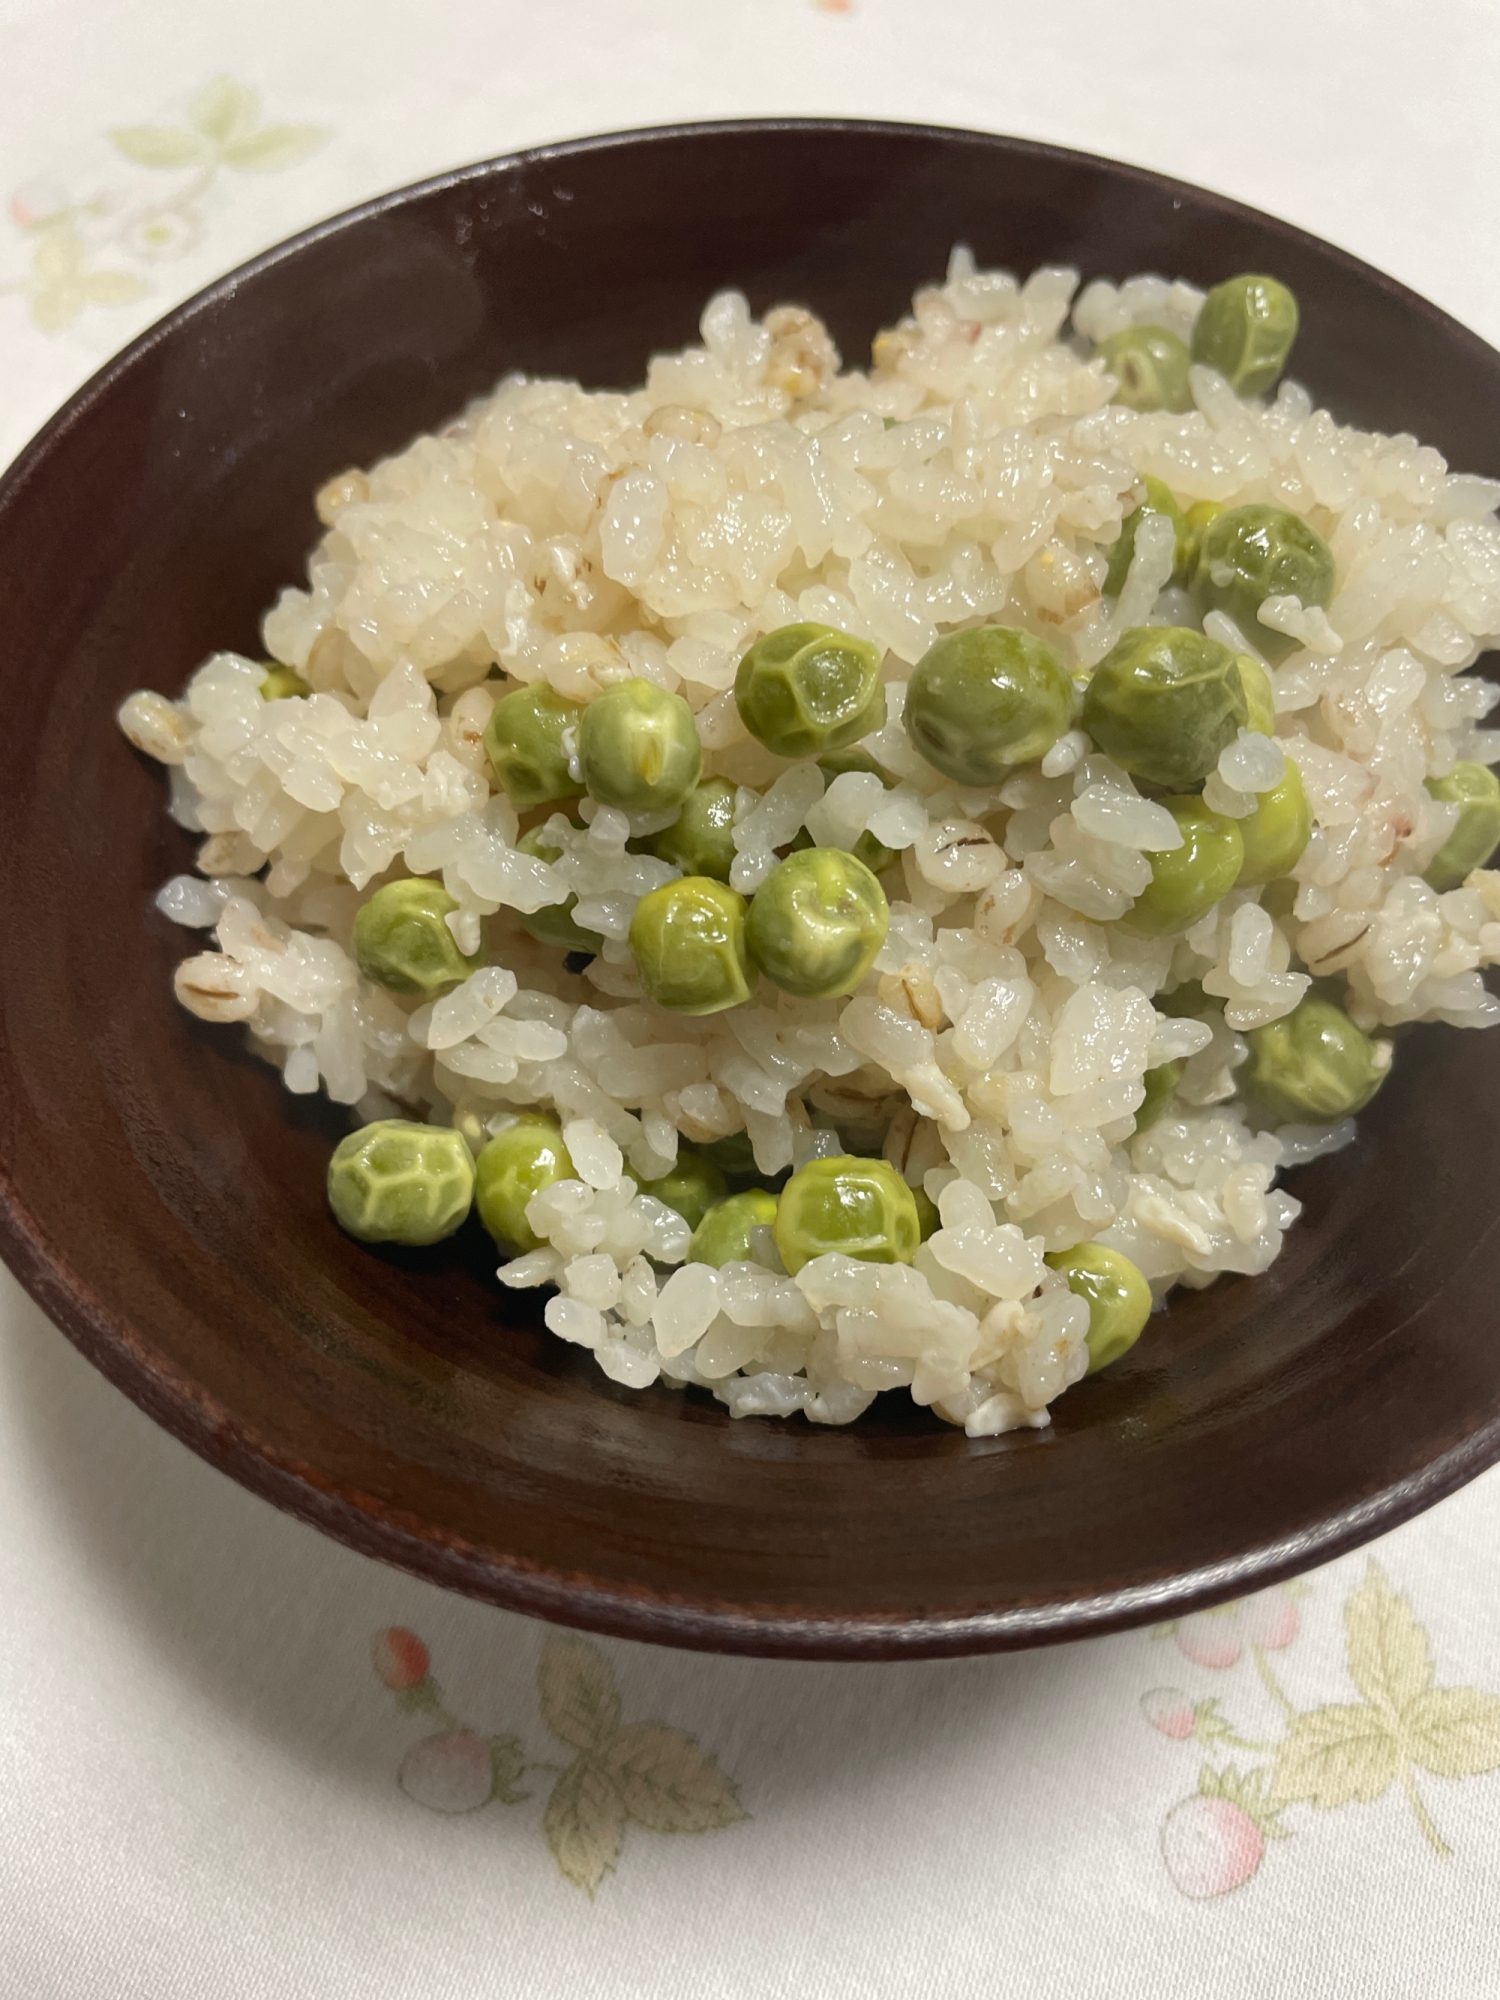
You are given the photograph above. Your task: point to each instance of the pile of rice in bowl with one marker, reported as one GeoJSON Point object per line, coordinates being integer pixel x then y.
{"type": "Point", "coordinates": [996, 1051]}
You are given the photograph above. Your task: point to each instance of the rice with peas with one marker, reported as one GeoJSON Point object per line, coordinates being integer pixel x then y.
{"type": "Point", "coordinates": [996, 1052]}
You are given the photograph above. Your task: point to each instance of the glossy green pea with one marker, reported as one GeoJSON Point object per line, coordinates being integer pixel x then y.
{"type": "Point", "coordinates": [928, 1219]}
{"type": "Point", "coordinates": [395, 1182]}
{"type": "Point", "coordinates": [1277, 831]}
{"type": "Point", "coordinates": [1151, 366]}
{"type": "Point", "coordinates": [723, 1236]}
{"type": "Point", "coordinates": [1476, 791]}
{"type": "Point", "coordinates": [403, 944]}
{"type": "Point", "coordinates": [1194, 523]}
{"type": "Point", "coordinates": [1164, 702]}
{"type": "Point", "coordinates": [1187, 881]}
{"type": "Point", "coordinates": [1260, 695]}
{"type": "Point", "coordinates": [1248, 554]}
{"type": "Point", "coordinates": [282, 684]}
{"type": "Point", "coordinates": [734, 1156]}
{"type": "Point", "coordinates": [1312, 1066]}
{"type": "Point", "coordinates": [524, 1157]}
{"type": "Point", "coordinates": [872, 853]}
{"type": "Point", "coordinates": [807, 689]}
{"type": "Point", "coordinates": [1121, 550]}
{"type": "Point", "coordinates": [982, 702]}
{"type": "Point", "coordinates": [1186, 1001]}
{"type": "Point", "coordinates": [700, 841]}
{"type": "Point", "coordinates": [1116, 1293]}
{"type": "Point", "coordinates": [1245, 329]}
{"type": "Point", "coordinates": [554, 924]}
{"type": "Point", "coordinates": [639, 749]}
{"type": "Point", "coordinates": [523, 740]}
{"type": "Point", "coordinates": [817, 922]}
{"type": "Point", "coordinates": [692, 1187]}
{"type": "Point", "coordinates": [867, 849]}
{"type": "Point", "coordinates": [834, 763]}
{"type": "Point", "coordinates": [1161, 1086]}
{"type": "Point", "coordinates": [688, 938]}
{"type": "Point", "coordinates": [857, 1207]}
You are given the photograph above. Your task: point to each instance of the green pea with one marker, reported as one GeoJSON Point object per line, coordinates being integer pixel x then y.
{"type": "Point", "coordinates": [402, 943]}
{"type": "Point", "coordinates": [1121, 550]}
{"type": "Point", "coordinates": [1164, 703]}
{"type": "Point", "coordinates": [1476, 791]}
{"type": "Point", "coordinates": [524, 1157]}
{"type": "Point", "coordinates": [523, 740]}
{"type": "Point", "coordinates": [1313, 1065]}
{"type": "Point", "coordinates": [1194, 522]}
{"type": "Point", "coordinates": [1248, 554]}
{"type": "Point", "coordinates": [1277, 831]}
{"type": "Point", "coordinates": [928, 1219]}
{"type": "Point", "coordinates": [872, 853]}
{"type": "Point", "coordinates": [982, 702]}
{"type": "Point", "coordinates": [857, 1207]}
{"type": "Point", "coordinates": [817, 922]}
{"type": "Point", "coordinates": [553, 924]}
{"type": "Point", "coordinates": [395, 1182]}
{"type": "Point", "coordinates": [733, 1156]}
{"type": "Point", "coordinates": [692, 1187]}
{"type": "Point", "coordinates": [867, 849]}
{"type": "Point", "coordinates": [1260, 695]}
{"type": "Point", "coordinates": [1187, 881]}
{"type": "Point", "coordinates": [1185, 1002]}
{"type": "Point", "coordinates": [723, 1234]}
{"type": "Point", "coordinates": [836, 762]}
{"type": "Point", "coordinates": [1161, 1087]}
{"type": "Point", "coordinates": [688, 938]}
{"type": "Point", "coordinates": [1245, 329]}
{"type": "Point", "coordinates": [1117, 1296]}
{"type": "Point", "coordinates": [700, 841]}
{"type": "Point", "coordinates": [282, 683]}
{"type": "Point", "coordinates": [639, 748]}
{"type": "Point", "coordinates": [1151, 366]}
{"type": "Point", "coordinates": [808, 689]}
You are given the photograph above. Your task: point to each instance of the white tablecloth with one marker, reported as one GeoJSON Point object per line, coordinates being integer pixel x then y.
{"type": "Point", "coordinates": [238, 1760]}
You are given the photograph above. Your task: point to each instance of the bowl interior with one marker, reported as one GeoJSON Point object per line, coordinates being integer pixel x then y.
{"type": "Point", "coordinates": [162, 1195]}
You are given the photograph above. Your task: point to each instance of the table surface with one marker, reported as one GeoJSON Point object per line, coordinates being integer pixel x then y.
{"type": "Point", "coordinates": [239, 1760]}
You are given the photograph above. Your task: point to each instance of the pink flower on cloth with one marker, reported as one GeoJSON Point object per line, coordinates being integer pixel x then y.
{"type": "Point", "coordinates": [1215, 1841]}
{"type": "Point", "coordinates": [1210, 1846]}
{"type": "Point", "coordinates": [1336, 1754]}
{"type": "Point", "coordinates": [163, 232]}
{"type": "Point", "coordinates": [399, 1658]}
{"type": "Point", "coordinates": [450, 1773]}
{"type": "Point", "coordinates": [646, 1773]}
{"type": "Point", "coordinates": [39, 202]}
{"type": "Point", "coordinates": [1217, 1638]}
{"type": "Point", "coordinates": [1170, 1711]}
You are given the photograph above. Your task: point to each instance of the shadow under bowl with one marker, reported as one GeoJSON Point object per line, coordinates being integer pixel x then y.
{"type": "Point", "coordinates": [162, 1196]}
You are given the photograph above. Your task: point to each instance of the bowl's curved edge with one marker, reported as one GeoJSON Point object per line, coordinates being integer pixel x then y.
{"type": "Point", "coordinates": [364, 1523]}
{"type": "Point", "coordinates": [14, 476]}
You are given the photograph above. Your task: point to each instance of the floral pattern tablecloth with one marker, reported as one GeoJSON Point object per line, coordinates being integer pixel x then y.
{"type": "Point", "coordinates": [239, 1760]}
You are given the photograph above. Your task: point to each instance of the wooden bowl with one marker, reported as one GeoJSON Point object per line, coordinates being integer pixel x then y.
{"type": "Point", "coordinates": [162, 1196]}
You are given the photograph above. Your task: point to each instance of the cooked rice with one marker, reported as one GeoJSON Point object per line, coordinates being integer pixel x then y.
{"type": "Point", "coordinates": [977, 472]}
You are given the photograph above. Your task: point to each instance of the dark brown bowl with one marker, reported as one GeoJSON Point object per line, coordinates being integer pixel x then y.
{"type": "Point", "coordinates": [162, 1197]}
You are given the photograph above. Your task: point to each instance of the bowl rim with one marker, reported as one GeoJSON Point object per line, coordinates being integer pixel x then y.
{"type": "Point", "coordinates": [105, 1334]}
